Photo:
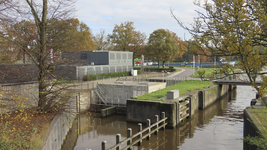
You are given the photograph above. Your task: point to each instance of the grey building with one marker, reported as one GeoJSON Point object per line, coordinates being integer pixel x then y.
{"type": "Point", "coordinates": [83, 63]}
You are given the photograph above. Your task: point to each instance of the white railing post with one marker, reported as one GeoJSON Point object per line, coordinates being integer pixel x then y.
{"type": "Point", "coordinates": [104, 145]}
{"type": "Point", "coordinates": [157, 119]}
{"type": "Point", "coordinates": [140, 135]}
{"type": "Point", "coordinates": [118, 139]}
{"type": "Point", "coordinates": [129, 134]}
{"type": "Point", "coordinates": [163, 117]}
{"type": "Point", "coordinates": [148, 123]}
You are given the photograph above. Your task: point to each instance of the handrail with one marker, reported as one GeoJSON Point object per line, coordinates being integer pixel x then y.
{"type": "Point", "coordinates": [136, 141]}
{"type": "Point", "coordinates": [101, 93]}
{"type": "Point", "coordinates": [141, 132]}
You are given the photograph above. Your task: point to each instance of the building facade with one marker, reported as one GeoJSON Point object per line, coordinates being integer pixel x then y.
{"type": "Point", "coordinates": [83, 63]}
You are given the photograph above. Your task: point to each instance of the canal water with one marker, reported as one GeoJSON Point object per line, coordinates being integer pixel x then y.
{"type": "Point", "coordinates": [218, 127]}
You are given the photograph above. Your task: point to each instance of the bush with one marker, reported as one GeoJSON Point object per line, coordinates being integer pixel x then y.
{"type": "Point", "coordinates": [107, 75]}
{"type": "Point", "coordinates": [159, 69]}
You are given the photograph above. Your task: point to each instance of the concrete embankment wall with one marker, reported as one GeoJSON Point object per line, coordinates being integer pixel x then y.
{"type": "Point", "coordinates": [204, 98]}
{"type": "Point", "coordinates": [252, 127]}
{"type": "Point", "coordinates": [141, 110]}
{"type": "Point", "coordinates": [17, 96]}
{"type": "Point", "coordinates": [60, 126]}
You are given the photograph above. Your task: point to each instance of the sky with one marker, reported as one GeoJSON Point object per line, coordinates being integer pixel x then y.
{"type": "Point", "coordinates": [147, 15]}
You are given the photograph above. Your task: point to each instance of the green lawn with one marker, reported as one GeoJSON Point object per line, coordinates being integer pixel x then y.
{"type": "Point", "coordinates": [183, 87]}
{"type": "Point", "coordinates": [261, 115]}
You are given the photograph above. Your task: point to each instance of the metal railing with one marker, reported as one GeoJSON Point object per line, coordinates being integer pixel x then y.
{"type": "Point", "coordinates": [101, 94]}
{"type": "Point", "coordinates": [159, 124]}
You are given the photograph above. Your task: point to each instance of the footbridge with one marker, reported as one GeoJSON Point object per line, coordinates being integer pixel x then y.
{"type": "Point", "coordinates": [237, 80]}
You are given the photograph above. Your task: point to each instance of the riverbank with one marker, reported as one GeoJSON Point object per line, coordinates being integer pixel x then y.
{"type": "Point", "coordinates": [26, 129]}
{"type": "Point", "coordinates": [255, 127]}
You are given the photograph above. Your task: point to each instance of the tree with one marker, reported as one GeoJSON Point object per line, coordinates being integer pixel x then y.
{"type": "Point", "coordinates": [126, 38]}
{"type": "Point", "coordinates": [164, 45]}
{"type": "Point", "coordinates": [24, 33]}
{"type": "Point", "coordinates": [182, 45]}
{"type": "Point", "coordinates": [71, 33]}
{"type": "Point", "coordinates": [234, 28]}
{"type": "Point", "coordinates": [201, 53]}
{"type": "Point", "coordinates": [37, 12]}
{"type": "Point", "coordinates": [101, 41]}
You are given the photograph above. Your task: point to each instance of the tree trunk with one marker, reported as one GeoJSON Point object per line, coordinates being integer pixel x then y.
{"type": "Point", "coordinates": [163, 62]}
{"type": "Point", "coordinates": [158, 63]}
{"type": "Point", "coordinates": [42, 59]}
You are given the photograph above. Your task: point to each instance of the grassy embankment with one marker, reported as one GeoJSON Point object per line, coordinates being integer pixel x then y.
{"type": "Point", "coordinates": [260, 115]}
{"type": "Point", "coordinates": [25, 128]}
{"type": "Point", "coordinates": [183, 87]}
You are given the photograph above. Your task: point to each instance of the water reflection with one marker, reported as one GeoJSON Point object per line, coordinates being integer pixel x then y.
{"type": "Point", "coordinates": [217, 127]}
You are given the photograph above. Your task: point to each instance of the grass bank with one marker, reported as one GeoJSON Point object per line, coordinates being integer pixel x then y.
{"type": "Point", "coordinates": [183, 87]}
{"type": "Point", "coordinates": [23, 129]}
{"type": "Point", "coordinates": [261, 116]}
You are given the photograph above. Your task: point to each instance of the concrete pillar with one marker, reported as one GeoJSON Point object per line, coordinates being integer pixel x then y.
{"type": "Point", "coordinates": [140, 135]}
{"type": "Point", "coordinates": [148, 123]}
{"type": "Point", "coordinates": [118, 139]}
{"type": "Point", "coordinates": [104, 145]}
{"type": "Point", "coordinates": [129, 134]}
{"type": "Point", "coordinates": [162, 117]}
{"type": "Point", "coordinates": [157, 119]}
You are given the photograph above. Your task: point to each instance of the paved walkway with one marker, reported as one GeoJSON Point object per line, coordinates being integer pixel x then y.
{"type": "Point", "coordinates": [185, 72]}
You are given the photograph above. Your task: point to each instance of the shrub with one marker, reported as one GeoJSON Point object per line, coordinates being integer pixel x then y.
{"type": "Point", "coordinates": [107, 75]}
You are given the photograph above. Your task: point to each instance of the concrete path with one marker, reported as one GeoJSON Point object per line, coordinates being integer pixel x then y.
{"type": "Point", "coordinates": [186, 72]}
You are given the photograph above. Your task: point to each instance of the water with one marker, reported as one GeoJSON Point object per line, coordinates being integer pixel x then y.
{"type": "Point", "coordinates": [218, 127]}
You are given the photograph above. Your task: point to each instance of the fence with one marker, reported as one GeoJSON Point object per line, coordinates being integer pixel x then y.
{"type": "Point", "coordinates": [159, 124]}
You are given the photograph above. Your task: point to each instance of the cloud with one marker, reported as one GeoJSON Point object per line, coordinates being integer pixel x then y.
{"type": "Point", "coordinates": [147, 15]}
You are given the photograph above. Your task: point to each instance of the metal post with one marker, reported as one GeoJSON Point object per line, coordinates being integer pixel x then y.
{"type": "Point", "coordinates": [193, 64]}
{"type": "Point", "coordinates": [157, 119]}
{"type": "Point", "coordinates": [148, 125]}
{"type": "Point", "coordinates": [140, 135]}
{"type": "Point", "coordinates": [104, 145]}
{"type": "Point", "coordinates": [118, 139]}
{"type": "Point", "coordinates": [129, 134]}
{"type": "Point", "coordinates": [162, 117]}
{"type": "Point", "coordinates": [198, 62]}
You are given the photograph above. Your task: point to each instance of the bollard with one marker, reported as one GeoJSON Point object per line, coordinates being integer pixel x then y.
{"type": "Point", "coordinates": [162, 117]}
{"type": "Point", "coordinates": [129, 134]}
{"type": "Point", "coordinates": [140, 135]}
{"type": "Point", "coordinates": [157, 119]}
{"type": "Point", "coordinates": [104, 145]}
{"type": "Point", "coordinates": [118, 139]}
{"type": "Point", "coordinates": [148, 125]}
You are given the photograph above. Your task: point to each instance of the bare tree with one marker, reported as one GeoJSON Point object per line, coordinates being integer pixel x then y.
{"type": "Point", "coordinates": [101, 40]}
{"type": "Point", "coordinates": [37, 12]}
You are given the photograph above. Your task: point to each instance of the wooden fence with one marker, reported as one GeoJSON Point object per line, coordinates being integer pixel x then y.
{"type": "Point", "coordinates": [142, 134]}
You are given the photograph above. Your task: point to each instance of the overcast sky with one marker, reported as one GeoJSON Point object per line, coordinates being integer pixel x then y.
{"type": "Point", "coordinates": [147, 15]}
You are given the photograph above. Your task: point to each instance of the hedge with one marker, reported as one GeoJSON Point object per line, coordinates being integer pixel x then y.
{"type": "Point", "coordinates": [107, 75]}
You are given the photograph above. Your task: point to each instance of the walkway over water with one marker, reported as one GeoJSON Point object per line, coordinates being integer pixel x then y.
{"type": "Point", "coordinates": [234, 82]}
